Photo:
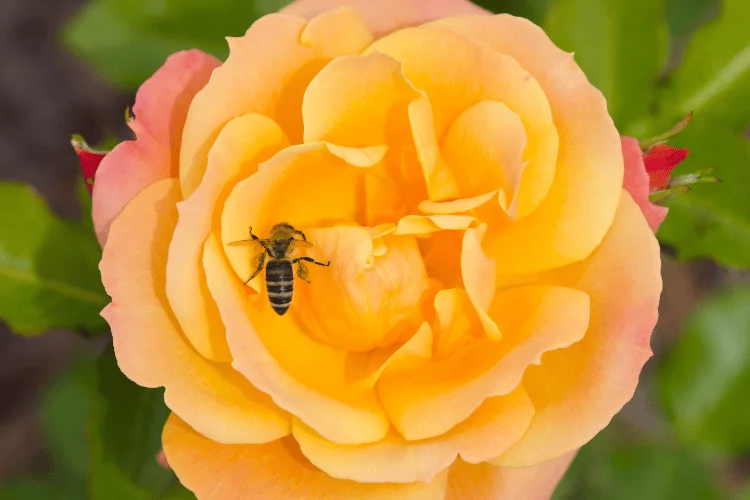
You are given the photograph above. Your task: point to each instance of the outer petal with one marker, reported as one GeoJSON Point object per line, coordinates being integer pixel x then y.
{"type": "Point", "coordinates": [272, 471]}
{"type": "Point", "coordinates": [149, 347]}
{"type": "Point", "coordinates": [580, 205]}
{"type": "Point", "coordinates": [489, 482]}
{"type": "Point", "coordinates": [321, 385]}
{"type": "Point", "coordinates": [580, 389]}
{"type": "Point", "coordinates": [494, 426]}
{"type": "Point", "coordinates": [637, 182]}
{"type": "Point", "coordinates": [161, 106]}
{"type": "Point", "coordinates": [385, 16]}
{"type": "Point", "coordinates": [267, 73]}
{"type": "Point", "coordinates": [431, 400]}
{"type": "Point", "coordinates": [242, 144]}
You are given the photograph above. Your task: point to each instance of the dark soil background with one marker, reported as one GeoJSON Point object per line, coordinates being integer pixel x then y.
{"type": "Point", "coordinates": [46, 95]}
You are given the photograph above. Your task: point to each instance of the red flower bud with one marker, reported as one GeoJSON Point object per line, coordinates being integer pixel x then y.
{"type": "Point", "coordinates": [660, 160]}
{"type": "Point", "coordinates": [89, 159]}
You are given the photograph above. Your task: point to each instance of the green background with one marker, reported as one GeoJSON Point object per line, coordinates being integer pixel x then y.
{"type": "Point", "coordinates": [686, 435]}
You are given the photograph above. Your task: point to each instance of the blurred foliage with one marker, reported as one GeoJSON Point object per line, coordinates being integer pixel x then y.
{"type": "Point", "coordinates": [654, 60]}
{"type": "Point", "coordinates": [705, 380]}
{"type": "Point", "coordinates": [48, 267]}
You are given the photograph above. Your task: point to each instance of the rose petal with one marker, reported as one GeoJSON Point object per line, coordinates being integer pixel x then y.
{"type": "Point", "coordinates": [232, 158]}
{"type": "Point", "coordinates": [534, 319]}
{"type": "Point", "coordinates": [306, 186]}
{"type": "Point", "coordinates": [385, 16]}
{"type": "Point", "coordinates": [456, 328]}
{"type": "Point", "coordinates": [471, 73]}
{"type": "Point", "coordinates": [272, 64]}
{"type": "Point", "coordinates": [489, 482]}
{"type": "Point", "coordinates": [161, 106]}
{"type": "Point", "coordinates": [478, 272]}
{"type": "Point", "coordinates": [579, 208]}
{"type": "Point", "coordinates": [496, 424]}
{"type": "Point", "coordinates": [319, 384]}
{"type": "Point", "coordinates": [340, 298]}
{"type": "Point", "coordinates": [426, 224]}
{"type": "Point", "coordinates": [637, 183]}
{"type": "Point", "coordinates": [456, 206]}
{"type": "Point", "coordinates": [581, 388]}
{"type": "Point", "coordinates": [270, 471]}
{"type": "Point", "coordinates": [150, 349]}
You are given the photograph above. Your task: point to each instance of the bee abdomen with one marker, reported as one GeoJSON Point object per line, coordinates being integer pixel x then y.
{"type": "Point", "coordinates": [280, 285]}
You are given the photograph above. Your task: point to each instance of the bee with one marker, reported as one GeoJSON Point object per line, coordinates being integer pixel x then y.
{"type": "Point", "coordinates": [278, 247]}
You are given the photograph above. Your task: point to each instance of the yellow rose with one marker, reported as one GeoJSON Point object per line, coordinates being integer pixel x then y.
{"type": "Point", "coordinates": [492, 288]}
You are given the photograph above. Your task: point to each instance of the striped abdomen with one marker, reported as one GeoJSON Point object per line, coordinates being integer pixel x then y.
{"type": "Point", "coordinates": [280, 284]}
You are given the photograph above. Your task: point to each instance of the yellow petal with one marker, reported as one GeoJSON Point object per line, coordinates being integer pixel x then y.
{"type": "Point", "coordinates": [580, 205]}
{"type": "Point", "coordinates": [478, 273]}
{"type": "Point", "coordinates": [357, 101]}
{"type": "Point", "coordinates": [579, 389]}
{"type": "Point", "coordinates": [496, 424]}
{"type": "Point", "coordinates": [272, 471]}
{"type": "Point", "coordinates": [426, 224]}
{"type": "Point", "coordinates": [457, 326]}
{"type": "Point", "coordinates": [267, 73]}
{"type": "Point", "coordinates": [319, 384]}
{"type": "Point", "coordinates": [149, 347]}
{"type": "Point", "coordinates": [232, 158]}
{"type": "Point", "coordinates": [306, 186]}
{"type": "Point", "coordinates": [470, 73]}
{"type": "Point", "coordinates": [456, 206]}
{"type": "Point", "coordinates": [490, 482]}
{"type": "Point", "coordinates": [486, 144]}
{"type": "Point", "coordinates": [362, 301]}
{"type": "Point", "coordinates": [534, 319]}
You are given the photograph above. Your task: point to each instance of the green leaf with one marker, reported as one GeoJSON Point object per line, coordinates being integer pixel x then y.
{"type": "Point", "coordinates": [620, 45]}
{"type": "Point", "coordinates": [714, 78]}
{"type": "Point", "coordinates": [616, 468]}
{"type": "Point", "coordinates": [533, 10]}
{"type": "Point", "coordinates": [128, 40]}
{"type": "Point", "coordinates": [704, 381]}
{"type": "Point", "coordinates": [125, 428]}
{"type": "Point", "coordinates": [49, 276]}
{"type": "Point", "coordinates": [712, 220]}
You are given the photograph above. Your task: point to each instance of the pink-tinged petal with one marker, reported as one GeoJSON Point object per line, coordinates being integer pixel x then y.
{"type": "Point", "coordinates": [636, 182]}
{"type": "Point", "coordinates": [496, 424]}
{"type": "Point", "coordinates": [267, 72]}
{"type": "Point", "coordinates": [384, 16]}
{"type": "Point", "coordinates": [576, 391]}
{"type": "Point", "coordinates": [273, 471]}
{"type": "Point", "coordinates": [490, 482]}
{"type": "Point", "coordinates": [578, 208]}
{"type": "Point", "coordinates": [149, 347]}
{"type": "Point", "coordinates": [242, 144]}
{"type": "Point", "coordinates": [161, 106]}
{"type": "Point", "coordinates": [432, 399]}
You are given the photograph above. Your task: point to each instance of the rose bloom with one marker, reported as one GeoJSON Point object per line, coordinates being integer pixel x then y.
{"type": "Point", "coordinates": [492, 287]}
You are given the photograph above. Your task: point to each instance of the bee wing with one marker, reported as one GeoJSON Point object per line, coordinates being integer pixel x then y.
{"type": "Point", "coordinates": [302, 244]}
{"type": "Point", "coordinates": [246, 243]}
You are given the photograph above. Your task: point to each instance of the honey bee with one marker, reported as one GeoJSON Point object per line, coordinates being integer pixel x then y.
{"type": "Point", "coordinates": [278, 247]}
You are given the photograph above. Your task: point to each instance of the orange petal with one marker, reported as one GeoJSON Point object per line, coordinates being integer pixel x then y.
{"type": "Point", "coordinates": [161, 106]}
{"type": "Point", "coordinates": [271, 471]}
{"type": "Point", "coordinates": [489, 482]}
{"type": "Point", "coordinates": [150, 350]}
{"type": "Point", "coordinates": [456, 206]}
{"type": "Point", "coordinates": [319, 384]}
{"type": "Point", "coordinates": [469, 74]}
{"type": "Point", "coordinates": [579, 207]}
{"type": "Point", "coordinates": [357, 101]}
{"type": "Point", "coordinates": [496, 424]}
{"type": "Point", "coordinates": [232, 158]}
{"type": "Point", "coordinates": [377, 297]}
{"type": "Point", "coordinates": [426, 224]}
{"type": "Point", "coordinates": [456, 327]}
{"type": "Point", "coordinates": [267, 73]}
{"type": "Point", "coordinates": [534, 319]}
{"type": "Point", "coordinates": [306, 186]}
{"type": "Point", "coordinates": [385, 16]}
{"type": "Point", "coordinates": [637, 182]}
{"type": "Point", "coordinates": [579, 389]}
{"type": "Point", "coordinates": [490, 138]}
{"type": "Point", "coordinates": [478, 272]}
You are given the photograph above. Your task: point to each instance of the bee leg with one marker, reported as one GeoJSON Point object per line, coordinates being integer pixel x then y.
{"type": "Point", "coordinates": [258, 262]}
{"type": "Point", "coordinates": [252, 235]}
{"type": "Point", "coordinates": [310, 259]}
{"type": "Point", "coordinates": [304, 238]}
{"type": "Point", "coordinates": [302, 271]}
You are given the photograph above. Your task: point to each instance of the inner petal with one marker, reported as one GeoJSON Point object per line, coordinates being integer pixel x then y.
{"type": "Point", "coordinates": [362, 301]}
{"type": "Point", "coordinates": [486, 145]}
